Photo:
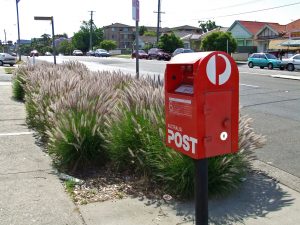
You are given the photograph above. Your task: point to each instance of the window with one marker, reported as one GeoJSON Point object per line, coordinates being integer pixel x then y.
{"type": "Point", "coordinates": [125, 29]}
{"type": "Point", "coordinates": [125, 36]}
{"type": "Point", "coordinates": [249, 43]}
{"type": "Point", "coordinates": [240, 42]}
{"type": "Point", "coordinates": [112, 29]}
{"type": "Point", "coordinates": [297, 57]}
{"type": "Point", "coordinates": [112, 36]}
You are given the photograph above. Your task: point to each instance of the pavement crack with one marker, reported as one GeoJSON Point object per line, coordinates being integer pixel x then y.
{"type": "Point", "coordinates": [26, 172]}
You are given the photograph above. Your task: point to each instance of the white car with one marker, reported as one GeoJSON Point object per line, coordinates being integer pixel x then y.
{"type": "Point", "coordinates": [77, 53]}
{"type": "Point", "coordinates": [292, 63]}
{"type": "Point", "coordinates": [7, 59]}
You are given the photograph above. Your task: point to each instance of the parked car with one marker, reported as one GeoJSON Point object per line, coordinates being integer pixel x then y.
{"type": "Point", "coordinates": [101, 53]}
{"type": "Point", "coordinates": [77, 52]}
{"type": "Point", "coordinates": [156, 53]}
{"type": "Point", "coordinates": [6, 58]}
{"type": "Point", "coordinates": [48, 54]}
{"type": "Point", "coordinates": [34, 53]}
{"type": "Point", "coordinates": [181, 50]}
{"type": "Point", "coordinates": [90, 53]}
{"type": "Point", "coordinates": [292, 63]}
{"type": "Point", "coordinates": [264, 60]}
{"type": "Point", "coordinates": [142, 54]}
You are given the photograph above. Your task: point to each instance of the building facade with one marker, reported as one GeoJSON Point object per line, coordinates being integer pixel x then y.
{"type": "Point", "coordinates": [253, 36]}
{"type": "Point", "coordinates": [122, 34]}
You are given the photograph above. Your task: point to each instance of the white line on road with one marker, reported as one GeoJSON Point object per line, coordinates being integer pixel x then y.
{"type": "Point", "coordinates": [5, 83]}
{"type": "Point", "coordinates": [16, 133]}
{"type": "Point", "coordinates": [249, 85]}
{"type": "Point", "coordinates": [262, 74]}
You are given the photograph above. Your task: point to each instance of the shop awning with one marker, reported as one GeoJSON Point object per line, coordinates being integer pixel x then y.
{"type": "Point", "coordinates": [291, 43]}
{"type": "Point", "coordinates": [278, 45]}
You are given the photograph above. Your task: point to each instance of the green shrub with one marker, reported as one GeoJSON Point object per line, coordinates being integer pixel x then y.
{"type": "Point", "coordinates": [76, 142]}
{"type": "Point", "coordinates": [90, 118]}
{"type": "Point", "coordinates": [17, 88]}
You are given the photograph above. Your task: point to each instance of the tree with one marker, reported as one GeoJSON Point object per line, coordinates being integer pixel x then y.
{"type": "Point", "coordinates": [81, 39]}
{"type": "Point", "coordinates": [108, 45]}
{"type": "Point", "coordinates": [207, 25]}
{"type": "Point", "coordinates": [142, 30]}
{"type": "Point", "coordinates": [217, 41]}
{"type": "Point", "coordinates": [169, 42]}
{"type": "Point", "coordinates": [46, 39]}
{"type": "Point", "coordinates": [150, 33]}
{"type": "Point", "coordinates": [65, 47]}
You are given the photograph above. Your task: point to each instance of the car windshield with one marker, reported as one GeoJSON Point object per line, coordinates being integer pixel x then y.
{"type": "Point", "coordinates": [187, 50]}
{"type": "Point", "coordinates": [142, 51]}
{"type": "Point", "coordinates": [270, 56]}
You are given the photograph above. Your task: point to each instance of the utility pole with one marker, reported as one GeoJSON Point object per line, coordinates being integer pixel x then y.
{"type": "Point", "coordinates": [19, 49]}
{"type": "Point", "coordinates": [158, 21]}
{"type": "Point", "coordinates": [5, 41]}
{"type": "Point", "coordinates": [91, 29]}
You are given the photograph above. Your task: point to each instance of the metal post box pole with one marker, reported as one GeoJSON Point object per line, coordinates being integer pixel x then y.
{"type": "Point", "coordinates": [201, 191]}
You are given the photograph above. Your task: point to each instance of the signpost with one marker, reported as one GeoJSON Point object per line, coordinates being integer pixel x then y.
{"type": "Point", "coordinates": [202, 113]}
{"type": "Point", "coordinates": [136, 17]}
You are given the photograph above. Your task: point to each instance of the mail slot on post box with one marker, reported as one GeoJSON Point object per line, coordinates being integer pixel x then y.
{"type": "Point", "coordinates": [202, 104]}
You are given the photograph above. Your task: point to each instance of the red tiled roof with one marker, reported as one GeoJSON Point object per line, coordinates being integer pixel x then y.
{"type": "Point", "coordinates": [254, 26]}
{"type": "Point", "coordinates": [295, 25]}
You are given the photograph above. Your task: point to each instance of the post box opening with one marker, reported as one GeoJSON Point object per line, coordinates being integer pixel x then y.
{"type": "Point", "coordinates": [182, 79]}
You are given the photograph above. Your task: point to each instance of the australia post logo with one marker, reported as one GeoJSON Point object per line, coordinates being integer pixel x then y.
{"type": "Point", "coordinates": [181, 141]}
{"type": "Point", "coordinates": [218, 69]}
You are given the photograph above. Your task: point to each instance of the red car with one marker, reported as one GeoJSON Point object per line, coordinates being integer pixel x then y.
{"type": "Point", "coordinates": [142, 54]}
{"type": "Point", "coordinates": [159, 54]}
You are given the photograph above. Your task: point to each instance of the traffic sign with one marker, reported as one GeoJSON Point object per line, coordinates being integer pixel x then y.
{"type": "Point", "coordinates": [136, 10]}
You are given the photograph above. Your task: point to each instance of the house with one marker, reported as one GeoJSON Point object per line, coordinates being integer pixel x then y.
{"type": "Point", "coordinates": [122, 34]}
{"type": "Point", "coordinates": [193, 41]}
{"type": "Point", "coordinates": [254, 36]}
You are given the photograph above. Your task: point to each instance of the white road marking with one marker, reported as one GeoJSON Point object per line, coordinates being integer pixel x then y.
{"type": "Point", "coordinates": [15, 133]}
{"type": "Point", "coordinates": [286, 77]}
{"type": "Point", "coordinates": [5, 83]}
{"type": "Point", "coordinates": [262, 74]}
{"type": "Point", "coordinates": [249, 85]}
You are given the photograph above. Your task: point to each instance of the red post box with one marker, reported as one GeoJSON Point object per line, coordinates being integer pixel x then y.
{"type": "Point", "coordinates": [202, 104]}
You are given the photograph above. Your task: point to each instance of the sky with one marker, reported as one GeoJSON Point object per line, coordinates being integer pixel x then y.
{"type": "Point", "coordinates": [68, 14]}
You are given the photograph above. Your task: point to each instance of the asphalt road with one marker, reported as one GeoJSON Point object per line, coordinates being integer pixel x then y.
{"type": "Point", "coordinates": [273, 103]}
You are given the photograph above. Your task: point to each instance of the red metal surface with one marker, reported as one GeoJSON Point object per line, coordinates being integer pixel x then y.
{"type": "Point", "coordinates": [202, 104]}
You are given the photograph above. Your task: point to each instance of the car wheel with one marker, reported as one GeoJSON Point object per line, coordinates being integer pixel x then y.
{"type": "Point", "coordinates": [250, 64]}
{"type": "Point", "coordinates": [11, 64]}
{"type": "Point", "coordinates": [261, 67]}
{"type": "Point", "coordinates": [270, 66]}
{"type": "Point", "coordinates": [290, 67]}
{"type": "Point", "coordinates": [1, 63]}
{"type": "Point", "coordinates": [281, 67]}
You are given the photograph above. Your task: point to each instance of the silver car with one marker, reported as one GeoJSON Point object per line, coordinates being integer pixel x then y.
{"type": "Point", "coordinates": [7, 59]}
{"type": "Point", "coordinates": [292, 63]}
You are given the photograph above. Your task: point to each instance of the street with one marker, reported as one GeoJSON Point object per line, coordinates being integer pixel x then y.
{"type": "Point", "coordinates": [273, 103]}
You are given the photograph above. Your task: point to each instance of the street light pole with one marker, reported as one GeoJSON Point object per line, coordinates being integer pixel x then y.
{"type": "Point", "coordinates": [53, 39]}
{"type": "Point", "coordinates": [19, 49]}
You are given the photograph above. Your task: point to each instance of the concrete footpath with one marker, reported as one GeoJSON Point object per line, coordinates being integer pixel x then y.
{"type": "Point", "coordinates": [31, 193]}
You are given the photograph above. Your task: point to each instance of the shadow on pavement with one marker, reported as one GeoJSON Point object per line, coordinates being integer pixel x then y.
{"type": "Point", "coordinates": [257, 196]}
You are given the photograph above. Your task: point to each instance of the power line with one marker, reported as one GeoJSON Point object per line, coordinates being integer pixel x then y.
{"type": "Point", "coordinates": [232, 6]}
{"type": "Point", "coordinates": [254, 11]}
